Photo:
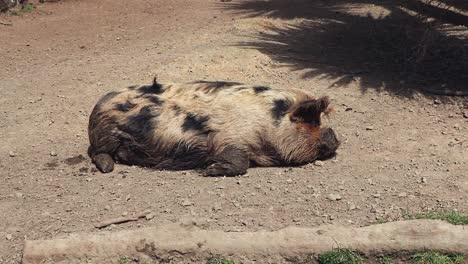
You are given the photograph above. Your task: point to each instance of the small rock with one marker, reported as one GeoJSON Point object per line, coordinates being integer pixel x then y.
{"type": "Point", "coordinates": [423, 180]}
{"type": "Point", "coordinates": [124, 213]}
{"type": "Point", "coordinates": [370, 128]}
{"type": "Point", "coordinates": [9, 236]}
{"type": "Point", "coordinates": [318, 163]}
{"type": "Point", "coordinates": [437, 101]}
{"type": "Point", "coordinates": [89, 179]}
{"type": "Point", "coordinates": [352, 207]}
{"type": "Point", "coordinates": [150, 216]}
{"type": "Point", "coordinates": [11, 154]}
{"type": "Point", "coordinates": [465, 114]}
{"type": "Point", "coordinates": [53, 153]}
{"type": "Point", "coordinates": [289, 181]}
{"type": "Point", "coordinates": [334, 197]}
{"type": "Point", "coordinates": [186, 203]}
{"type": "Point", "coordinates": [107, 208]}
{"type": "Point", "coordinates": [376, 195]}
{"type": "Point", "coordinates": [216, 207]}
{"type": "Point", "coordinates": [18, 195]}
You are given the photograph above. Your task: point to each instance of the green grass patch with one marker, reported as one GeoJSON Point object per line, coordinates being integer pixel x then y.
{"type": "Point", "coordinates": [432, 257]}
{"type": "Point", "coordinates": [454, 218]}
{"type": "Point", "coordinates": [386, 260]}
{"type": "Point", "coordinates": [123, 260]}
{"type": "Point", "coordinates": [340, 256]}
{"type": "Point", "coordinates": [218, 260]}
{"type": "Point", "coordinates": [27, 9]}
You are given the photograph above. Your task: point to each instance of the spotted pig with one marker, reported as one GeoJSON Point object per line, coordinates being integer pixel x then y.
{"type": "Point", "coordinates": [221, 127]}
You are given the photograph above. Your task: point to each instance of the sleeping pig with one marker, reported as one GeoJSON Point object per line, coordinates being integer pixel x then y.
{"type": "Point", "coordinates": [221, 127]}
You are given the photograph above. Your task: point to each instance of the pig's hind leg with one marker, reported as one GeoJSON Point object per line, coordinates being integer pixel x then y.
{"type": "Point", "coordinates": [228, 161]}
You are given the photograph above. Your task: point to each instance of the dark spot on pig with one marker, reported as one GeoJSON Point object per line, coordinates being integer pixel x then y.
{"type": "Point", "coordinates": [280, 108]}
{"type": "Point", "coordinates": [195, 122]}
{"type": "Point", "coordinates": [141, 125]}
{"type": "Point", "coordinates": [75, 160]}
{"type": "Point", "coordinates": [155, 88]}
{"type": "Point", "coordinates": [261, 89]}
{"type": "Point", "coordinates": [124, 107]}
{"type": "Point", "coordinates": [176, 109]}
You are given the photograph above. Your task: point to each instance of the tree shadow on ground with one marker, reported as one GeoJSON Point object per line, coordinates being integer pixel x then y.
{"type": "Point", "coordinates": [391, 48]}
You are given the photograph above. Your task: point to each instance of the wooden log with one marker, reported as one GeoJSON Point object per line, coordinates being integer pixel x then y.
{"type": "Point", "coordinates": [177, 241]}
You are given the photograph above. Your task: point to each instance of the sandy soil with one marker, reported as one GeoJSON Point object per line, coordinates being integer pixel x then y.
{"type": "Point", "coordinates": [402, 152]}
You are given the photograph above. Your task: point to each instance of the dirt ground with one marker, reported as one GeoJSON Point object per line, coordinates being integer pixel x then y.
{"type": "Point", "coordinates": [403, 152]}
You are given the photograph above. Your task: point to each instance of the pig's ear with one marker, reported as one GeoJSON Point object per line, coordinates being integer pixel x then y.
{"type": "Point", "coordinates": [309, 111]}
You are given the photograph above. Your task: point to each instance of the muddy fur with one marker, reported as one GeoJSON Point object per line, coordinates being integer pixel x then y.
{"type": "Point", "coordinates": [222, 127]}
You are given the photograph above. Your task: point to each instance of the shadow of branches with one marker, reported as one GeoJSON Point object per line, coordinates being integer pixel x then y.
{"type": "Point", "coordinates": [397, 46]}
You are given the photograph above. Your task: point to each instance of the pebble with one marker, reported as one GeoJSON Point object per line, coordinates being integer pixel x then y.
{"type": "Point", "coordinates": [9, 236]}
{"type": "Point", "coordinates": [150, 216]}
{"type": "Point", "coordinates": [465, 114]}
{"type": "Point", "coordinates": [334, 197]}
{"type": "Point", "coordinates": [352, 207]}
{"type": "Point", "coordinates": [289, 181]}
{"type": "Point", "coordinates": [53, 153]}
{"type": "Point", "coordinates": [186, 203]}
{"type": "Point", "coordinates": [318, 163]}
{"type": "Point", "coordinates": [107, 208]}
{"type": "Point", "coordinates": [216, 207]}
{"type": "Point", "coordinates": [19, 195]}
{"type": "Point", "coordinates": [124, 213]}
{"type": "Point", "coordinates": [423, 180]}
{"type": "Point", "coordinates": [89, 179]}
{"type": "Point", "coordinates": [376, 195]}
{"type": "Point", "coordinates": [370, 128]}
{"type": "Point", "coordinates": [11, 154]}
{"type": "Point", "coordinates": [437, 101]}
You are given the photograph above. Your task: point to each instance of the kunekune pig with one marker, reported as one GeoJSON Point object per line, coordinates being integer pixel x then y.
{"type": "Point", "coordinates": [220, 127]}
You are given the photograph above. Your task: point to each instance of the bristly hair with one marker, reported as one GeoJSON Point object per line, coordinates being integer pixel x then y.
{"type": "Point", "coordinates": [155, 80]}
